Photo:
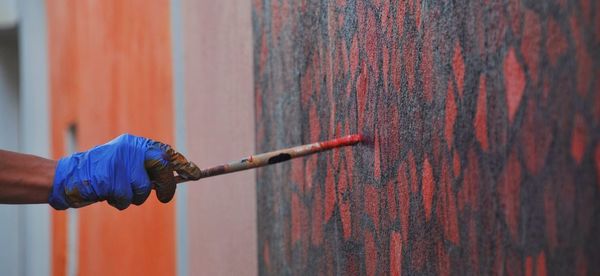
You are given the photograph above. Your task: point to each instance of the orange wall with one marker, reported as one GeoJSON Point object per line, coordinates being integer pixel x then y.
{"type": "Point", "coordinates": [110, 73]}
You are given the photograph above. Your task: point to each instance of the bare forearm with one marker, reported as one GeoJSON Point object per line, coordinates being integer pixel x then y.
{"type": "Point", "coordinates": [25, 178]}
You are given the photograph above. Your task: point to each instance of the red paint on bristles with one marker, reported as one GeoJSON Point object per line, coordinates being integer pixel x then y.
{"type": "Point", "coordinates": [342, 141]}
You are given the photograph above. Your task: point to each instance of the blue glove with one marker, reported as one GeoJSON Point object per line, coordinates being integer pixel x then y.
{"type": "Point", "coordinates": [122, 171]}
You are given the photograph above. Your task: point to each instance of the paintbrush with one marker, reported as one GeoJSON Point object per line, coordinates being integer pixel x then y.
{"type": "Point", "coordinates": [274, 157]}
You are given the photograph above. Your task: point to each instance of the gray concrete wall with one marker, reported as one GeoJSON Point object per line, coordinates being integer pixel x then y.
{"type": "Point", "coordinates": [10, 238]}
{"type": "Point", "coordinates": [35, 119]}
{"type": "Point", "coordinates": [24, 232]}
{"type": "Point", "coordinates": [9, 89]}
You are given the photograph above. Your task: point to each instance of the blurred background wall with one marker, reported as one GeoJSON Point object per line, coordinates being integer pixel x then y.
{"type": "Point", "coordinates": [74, 74]}
{"type": "Point", "coordinates": [110, 73]}
{"type": "Point", "coordinates": [24, 127]}
{"type": "Point", "coordinates": [219, 114]}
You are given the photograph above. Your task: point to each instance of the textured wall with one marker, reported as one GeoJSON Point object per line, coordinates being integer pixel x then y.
{"type": "Point", "coordinates": [110, 73]}
{"type": "Point", "coordinates": [484, 128]}
{"type": "Point", "coordinates": [220, 127]}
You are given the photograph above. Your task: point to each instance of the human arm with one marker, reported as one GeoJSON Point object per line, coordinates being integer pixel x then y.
{"type": "Point", "coordinates": [122, 171]}
{"type": "Point", "coordinates": [24, 178]}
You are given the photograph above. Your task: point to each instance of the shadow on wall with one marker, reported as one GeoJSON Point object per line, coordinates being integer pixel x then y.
{"type": "Point", "coordinates": [485, 128]}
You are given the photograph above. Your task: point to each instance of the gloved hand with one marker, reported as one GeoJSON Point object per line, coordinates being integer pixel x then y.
{"type": "Point", "coordinates": [122, 171]}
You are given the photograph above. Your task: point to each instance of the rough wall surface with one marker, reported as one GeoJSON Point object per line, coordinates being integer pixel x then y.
{"type": "Point", "coordinates": [483, 121]}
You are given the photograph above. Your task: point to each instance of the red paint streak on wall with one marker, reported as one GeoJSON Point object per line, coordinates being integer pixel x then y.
{"type": "Point", "coordinates": [586, 10]}
{"type": "Point", "coordinates": [349, 155]}
{"type": "Point", "coordinates": [400, 12]}
{"type": "Point", "coordinates": [579, 138]}
{"type": "Point", "coordinates": [371, 43]}
{"type": "Point", "coordinates": [556, 42]}
{"type": "Point", "coordinates": [105, 82]}
{"type": "Point", "coordinates": [267, 255]}
{"type": "Point", "coordinates": [298, 218]}
{"type": "Point", "coordinates": [396, 60]}
{"type": "Point", "coordinates": [597, 24]}
{"type": "Point", "coordinates": [354, 54]}
{"type": "Point", "coordinates": [427, 64]}
{"type": "Point", "coordinates": [412, 166]}
{"type": "Point", "coordinates": [469, 194]}
{"type": "Point", "coordinates": [456, 163]}
{"type": "Point", "coordinates": [372, 204]}
{"type": "Point", "coordinates": [309, 171]}
{"type": "Point", "coordinates": [330, 193]}
{"type": "Point", "coordinates": [298, 176]}
{"type": "Point", "coordinates": [417, 9]}
{"type": "Point", "coordinates": [510, 192]}
{"type": "Point", "coordinates": [377, 158]}
{"type": "Point", "coordinates": [403, 198]}
{"type": "Point", "coordinates": [480, 120]}
{"type": "Point", "coordinates": [317, 218]}
{"type": "Point", "coordinates": [536, 137]}
{"type": "Point", "coordinates": [596, 95]}
{"type": "Point", "coordinates": [498, 267]}
{"type": "Point", "coordinates": [336, 154]}
{"type": "Point", "coordinates": [395, 254]}
{"type": "Point", "coordinates": [344, 202]}
{"type": "Point", "coordinates": [584, 61]}
{"type": "Point", "coordinates": [443, 260]}
{"type": "Point", "coordinates": [428, 187]}
{"type": "Point", "coordinates": [390, 143]}
{"type": "Point", "coordinates": [514, 10]}
{"type": "Point", "coordinates": [386, 66]}
{"type": "Point", "coordinates": [306, 88]}
{"type": "Point", "coordinates": [361, 95]}
{"type": "Point", "coordinates": [597, 153]}
{"type": "Point", "coordinates": [391, 206]}
{"type": "Point", "coordinates": [528, 266]}
{"type": "Point", "coordinates": [264, 55]}
{"type": "Point", "coordinates": [450, 115]}
{"type": "Point", "coordinates": [447, 205]}
{"type": "Point", "coordinates": [531, 43]}
{"type": "Point", "coordinates": [541, 265]}
{"type": "Point", "coordinates": [370, 254]}
{"type": "Point", "coordinates": [409, 60]}
{"type": "Point", "coordinates": [514, 82]}
{"type": "Point", "coordinates": [473, 245]}
{"type": "Point", "coordinates": [458, 66]}
{"type": "Point", "coordinates": [278, 13]}
{"type": "Point", "coordinates": [581, 263]}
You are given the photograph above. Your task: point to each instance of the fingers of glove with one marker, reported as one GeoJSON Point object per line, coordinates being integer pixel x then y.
{"type": "Point", "coordinates": [161, 161]}
{"type": "Point", "coordinates": [157, 158]}
{"type": "Point", "coordinates": [160, 172]}
{"type": "Point", "coordinates": [121, 198]}
{"type": "Point", "coordinates": [140, 186]}
{"type": "Point", "coordinates": [184, 168]}
{"type": "Point", "coordinates": [165, 186]}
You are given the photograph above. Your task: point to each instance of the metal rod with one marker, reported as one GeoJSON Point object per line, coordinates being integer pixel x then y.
{"type": "Point", "coordinates": [274, 157]}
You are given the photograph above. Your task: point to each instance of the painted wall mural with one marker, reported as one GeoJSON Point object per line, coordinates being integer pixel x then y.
{"type": "Point", "coordinates": [483, 121]}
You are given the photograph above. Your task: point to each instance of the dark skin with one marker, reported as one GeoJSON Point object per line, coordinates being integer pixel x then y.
{"type": "Point", "coordinates": [24, 178]}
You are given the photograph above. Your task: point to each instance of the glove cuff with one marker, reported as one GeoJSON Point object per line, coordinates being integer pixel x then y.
{"type": "Point", "coordinates": [57, 197]}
